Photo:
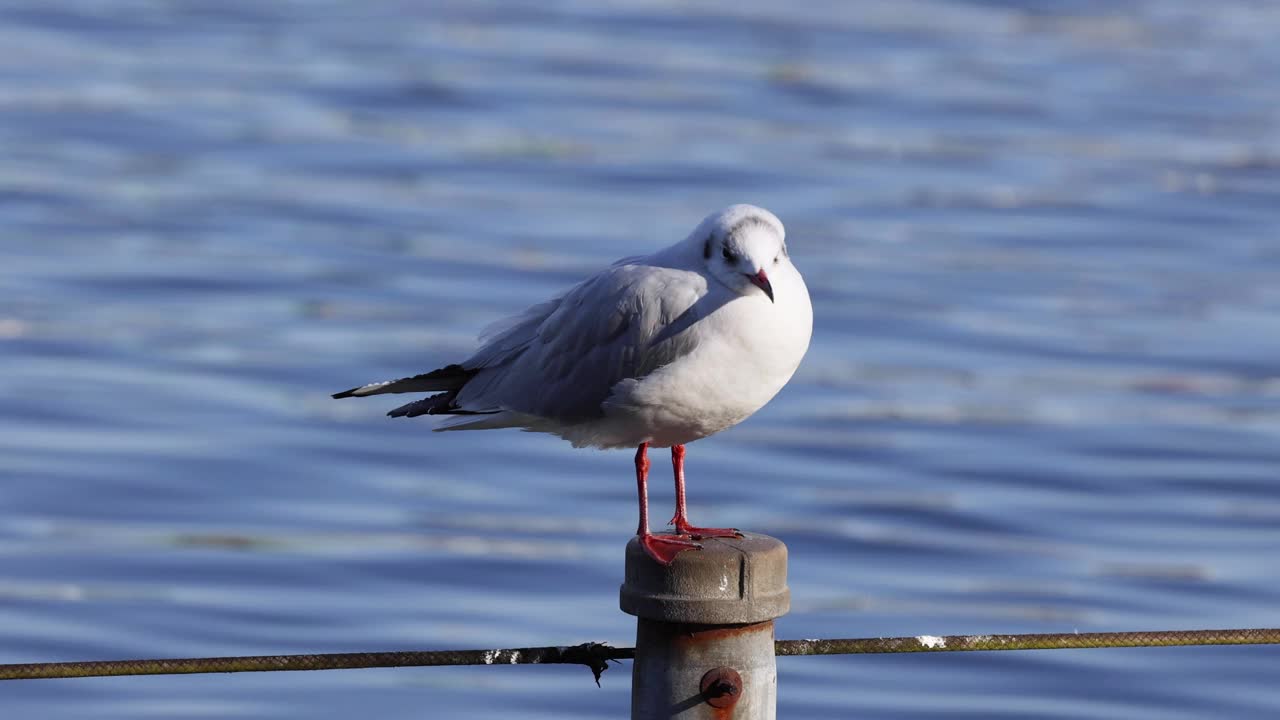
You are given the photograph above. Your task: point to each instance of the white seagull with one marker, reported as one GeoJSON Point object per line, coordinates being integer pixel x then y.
{"type": "Point", "coordinates": [658, 350]}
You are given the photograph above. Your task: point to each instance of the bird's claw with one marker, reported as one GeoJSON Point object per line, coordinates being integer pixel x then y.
{"type": "Point", "coordinates": [699, 533]}
{"type": "Point", "coordinates": [664, 548]}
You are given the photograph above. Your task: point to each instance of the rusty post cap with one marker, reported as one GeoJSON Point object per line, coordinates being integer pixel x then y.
{"type": "Point", "coordinates": [729, 581]}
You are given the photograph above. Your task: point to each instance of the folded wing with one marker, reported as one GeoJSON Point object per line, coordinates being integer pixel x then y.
{"type": "Point", "coordinates": [561, 360]}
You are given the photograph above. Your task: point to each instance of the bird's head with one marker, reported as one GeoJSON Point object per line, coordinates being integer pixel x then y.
{"type": "Point", "coordinates": [741, 246]}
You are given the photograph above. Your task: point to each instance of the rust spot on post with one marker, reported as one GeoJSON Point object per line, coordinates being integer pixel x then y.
{"type": "Point", "coordinates": [721, 687]}
{"type": "Point", "coordinates": [698, 635]}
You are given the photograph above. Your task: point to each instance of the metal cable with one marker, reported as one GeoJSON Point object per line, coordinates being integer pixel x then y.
{"type": "Point", "coordinates": [596, 656]}
{"type": "Point", "coordinates": [1050, 641]}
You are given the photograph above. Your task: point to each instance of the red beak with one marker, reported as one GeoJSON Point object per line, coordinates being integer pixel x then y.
{"type": "Point", "coordinates": [761, 281]}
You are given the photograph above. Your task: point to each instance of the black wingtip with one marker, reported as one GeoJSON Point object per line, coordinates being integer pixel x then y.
{"type": "Point", "coordinates": [344, 394]}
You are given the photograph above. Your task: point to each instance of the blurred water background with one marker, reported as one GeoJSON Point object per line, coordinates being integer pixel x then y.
{"type": "Point", "coordinates": [1043, 393]}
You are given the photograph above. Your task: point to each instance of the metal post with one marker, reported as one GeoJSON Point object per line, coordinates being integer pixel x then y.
{"type": "Point", "coordinates": [704, 629]}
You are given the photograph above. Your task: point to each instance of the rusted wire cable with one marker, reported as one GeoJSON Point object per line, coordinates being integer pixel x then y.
{"type": "Point", "coordinates": [596, 656]}
{"type": "Point", "coordinates": [1051, 641]}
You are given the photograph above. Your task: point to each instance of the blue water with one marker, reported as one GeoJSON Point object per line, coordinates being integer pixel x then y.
{"type": "Point", "coordinates": [1043, 393]}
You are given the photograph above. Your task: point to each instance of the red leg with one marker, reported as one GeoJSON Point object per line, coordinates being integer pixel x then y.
{"type": "Point", "coordinates": [681, 520]}
{"type": "Point", "coordinates": [662, 548]}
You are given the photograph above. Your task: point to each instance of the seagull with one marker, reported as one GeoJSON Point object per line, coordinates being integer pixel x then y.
{"type": "Point", "coordinates": [655, 351]}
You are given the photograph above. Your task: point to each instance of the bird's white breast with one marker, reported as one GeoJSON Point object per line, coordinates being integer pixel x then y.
{"type": "Point", "coordinates": [747, 351]}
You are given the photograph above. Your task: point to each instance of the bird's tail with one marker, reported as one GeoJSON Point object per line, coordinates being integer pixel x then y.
{"type": "Point", "coordinates": [450, 378]}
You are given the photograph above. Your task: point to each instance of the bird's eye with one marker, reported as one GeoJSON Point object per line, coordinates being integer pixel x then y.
{"type": "Point", "coordinates": [775, 259]}
{"type": "Point", "coordinates": [729, 255]}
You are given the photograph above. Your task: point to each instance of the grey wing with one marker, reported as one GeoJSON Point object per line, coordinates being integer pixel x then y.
{"type": "Point", "coordinates": [562, 359]}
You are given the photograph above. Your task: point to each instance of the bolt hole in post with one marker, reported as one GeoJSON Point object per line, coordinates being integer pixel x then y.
{"type": "Point", "coordinates": [704, 629]}
{"type": "Point", "coordinates": [721, 687]}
